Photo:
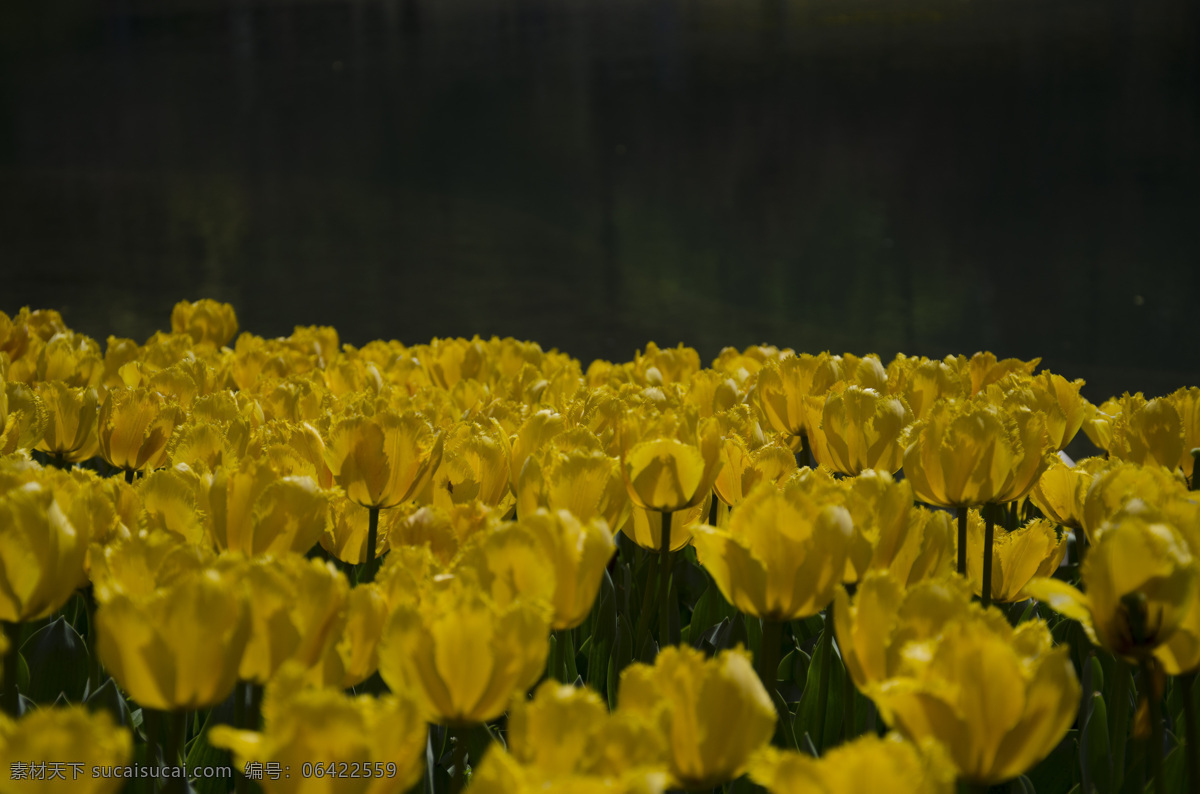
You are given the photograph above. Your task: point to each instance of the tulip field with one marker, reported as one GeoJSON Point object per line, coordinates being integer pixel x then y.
{"type": "Point", "coordinates": [233, 563]}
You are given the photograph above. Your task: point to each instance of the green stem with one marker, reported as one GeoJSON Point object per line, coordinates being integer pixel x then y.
{"type": "Point", "coordinates": [129, 476]}
{"type": "Point", "coordinates": [849, 717]}
{"type": "Point", "coordinates": [988, 530]}
{"type": "Point", "coordinates": [664, 583]}
{"type": "Point", "coordinates": [568, 636]}
{"type": "Point", "coordinates": [962, 540]}
{"type": "Point", "coordinates": [12, 669]}
{"type": "Point", "coordinates": [241, 694]}
{"type": "Point", "coordinates": [643, 623]}
{"type": "Point", "coordinates": [805, 451]}
{"type": "Point", "coordinates": [1120, 726]}
{"type": "Point", "coordinates": [253, 705]}
{"type": "Point", "coordinates": [176, 726]}
{"type": "Point", "coordinates": [372, 533]}
{"type": "Point", "coordinates": [768, 659]}
{"type": "Point", "coordinates": [825, 652]}
{"type": "Point", "coordinates": [1085, 712]}
{"type": "Point", "coordinates": [460, 760]}
{"type": "Point", "coordinates": [1156, 726]}
{"type": "Point", "coordinates": [1192, 746]}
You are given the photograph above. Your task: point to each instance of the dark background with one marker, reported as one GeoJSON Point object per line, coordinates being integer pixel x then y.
{"type": "Point", "coordinates": [925, 176]}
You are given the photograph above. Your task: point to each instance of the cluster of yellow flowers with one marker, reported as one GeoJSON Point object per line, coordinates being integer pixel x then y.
{"type": "Point", "coordinates": [300, 515]}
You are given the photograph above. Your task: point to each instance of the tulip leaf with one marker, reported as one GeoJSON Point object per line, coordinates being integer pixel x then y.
{"type": "Point", "coordinates": [1059, 770]}
{"type": "Point", "coordinates": [622, 653]}
{"type": "Point", "coordinates": [201, 753]}
{"type": "Point", "coordinates": [807, 711]}
{"type": "Point", "coordinates": [711, 609]}
{"type": "Point", "coordinates": [60, 658]}
{"type": "Point", "coordinates": [109, 698]}
{"type": "Point", "coordinates": [754, 634]}
{"type": "Point", "coordinates": [1174, 769]}
{"type": "Point", "coordinates": [785, 730]}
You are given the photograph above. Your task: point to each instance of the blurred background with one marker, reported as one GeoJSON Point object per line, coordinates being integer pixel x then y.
{"type": "Point", "coordinates": [924, 176]}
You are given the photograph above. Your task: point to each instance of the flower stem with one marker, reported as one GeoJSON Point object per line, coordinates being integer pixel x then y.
{"type": "Point", "coordinates": [1120, 726]}
{"type": "Point", "coordinates": [825, 652]}
{"type": "Point", "coordinates": [176, 727]}
{"type": "Point", "coordinates": [460, 760]}
{"type": "Point", "coordinates": [12, 668]}
{"type": "Point", "coordinates": [129, 476]}
{"type": "Point", "coordinates": [962, 540]}
{"type": "Point", "coordinates": [1192, 746]}
{"type": "Point", "coordinates": [664, 583]}
{"type": "Point", "coordinates": [643, 622]}
{"type": "Point", "coordinates": [768, 657]}
{"type": "Point", "coordinates": [1156, 726]}
{"type": "Point", "coordinates": [988, 530]}
{"type": "Point", "coordinates": [849, 715]}
{"type": "Point", "coordinates": [372, 533]}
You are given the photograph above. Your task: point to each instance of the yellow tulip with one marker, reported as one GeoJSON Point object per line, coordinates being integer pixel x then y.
{"type": "Point", "coordinates": [1098, 420]}
{"type": "Point", "coordinates": [1117, 484]}
{"type": "Point", "coordinates": [206, 321]}
{"type": "Point", "coordinates": [294, 605]}
{"type": "Point", "coordinates": [783, 388]}
{"type": "Point", "coordinates": [985, 369]}
{"type": "Point", "coordinates": [859, 767]}
{"type": "Point", "coordinates": [460, 654]}
{"type": "Point", "coordinates": [970, 452]}
{"type": "Point", "coordinates": [859, 429]}
{"type": "Point", "coordinates": [999, 699]}
{"type": "Point", "coordinates": [180, 647]}
{"type": "Point", "coordinates": [1187, 404]}
{"type": "Point", "coordinates": [669, 459]}
{"type": "Point", "coordinates": [644, 527]}
{"type": "Point", "coordinates": [1062, 488]}
{"type": "Point", "coordinates": [384, 459]}
{"type": "Point", "coordinates": [715, 712]}
{"type": "Point", "coordinates": [23, 416]}
{"type": "Point", "coordinates": [474, 466]}
{"type": "Point", "coordinates": [1139, 582]}
{"type": "Point", "coordinates": [579, 554]}
{"type": "Point", "coordinates": [351, 655]}
{"type": "Point", "coordinates": [743, 365]}
{"type": "Point", "coordinates": [1035, 549]}
{"type": "Point", "coordinates": [1180, 653]}
{"type": "Point", "coordinates": [171, 501]}
{"type": "Point", "coordinates": [586, 482]}
{"type": "Point", "coordinates": [1149, 433]}
{"type": "Point", "coordinates": [71, 421]}
{"type": "Point", "coordinates": [140, 565]}
{"type": "Point", "coordinates": [743, 468]}
{"type": "Point", "coordinates": [782, 556]}
{"type": "Point", "coordinates": [252, 510]}
{"type": "Point", "coordinates": [1056, 392]}
{"type": "Point", "coordinates": [565, 740]}
{"type": "Point", "coordinates": [75, 749]}
{"type": "Point", "coordinates": [923, 382]}
{"type": "Point", "coordinates": [134, 426]}
{"type": "Point", "coordinates": [41, 556]}
{"type": "Point", "coordinates": [511, 565]}
{"type": "Point", "coordinates": [891, 533]}
{"type": "Point", "coordinates": [326, 741]}
{"type": "Point", "coordinates": [885, 621]}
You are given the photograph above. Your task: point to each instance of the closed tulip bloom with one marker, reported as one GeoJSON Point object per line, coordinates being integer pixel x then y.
{"type": "Point", "coordinates": [1187, 405]}
{"type": "Point", "coordinates": [565, 740]}
{"type": "Point", "coordinates": [715, 711]}
{"type": "Point", "coordinates": [253, 510]}
{"type": "Point", "coordinates": [1098, 419]}
{"type": "Point", "coordinates": [66, 736]}
{"type": "Point", "coordinates": [858, 767]}
{"type": "Point", "coordinates": [923, 382]}
{"type": "Point", "coordinates": [743, 468]}
{"type": "Point", "coordinates": [171, 501]}
{"type": "Point", "coordinates": [71, 421]}
{"type": "Point", "coordinates": [670, 459]}
{"type": "Point", "coordinates": [1149, 433]}
{"type": "Point", "coordinates": [23, 416]}
{"type": "Point", "coordinates": [294, 606]}
{"type": "Point", "coordinates": [782, 556]}
{"type": "Point", "coordinates": [1139, 582]}
{"type": "Point", "coordinates": [1062, 488]}
{"type": "Point", "coordinates": [784, 387]}
{"type": "Point", "coordinates": [971, 452]}
{"type": "Point", "coordinates": [1034, 549]}
{"type": "Point", "coordinates": [180, 647]}
{"type": "Point", "coordinates": [579, 553]}
{"type": "Point", "coordinates": [586, 482]}
{"type": "Point", "coordinates": [206, 321]}
{"type": "Point", "coordinates": [884, 617]}
{"type": "Point", "coordinates": [381, 739]}
{"type": "Point", "coordinates": [140, 565]}
{"type": "Point", "coordinates": [134, 426]}
{"type": "Point", "coordinates": [1056, 392]}
{"type": "Point", "coordinates": [999, 699]}
{"type": "Point", "coordinates": [1113, 487]}
{"type": "Point", "coordinates": [1180, 653]}
{"type": "Point", "coordinates": [461, 654]}
{"type": "Point", "coordinates": [351, 655]}
{"type": "Point", "coordinates": [474, 467]}
{"type": "Point", "coordinates": [860, 429]}
{"type": "Point", "coordinates": [384, 459]}
{"type": "Point", "coordinates": [985, 369]}
{"type": "Point", "coordinates": [41, 554]}
{"type": "Point", "coordinates": [890, 533]}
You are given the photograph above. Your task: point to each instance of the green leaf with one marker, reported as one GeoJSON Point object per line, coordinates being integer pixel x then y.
{"type": "Point", "coordinates": [1096, 745]}
{"type": "Point", "coordinates": [711, 609]}
{"type": "Point", "coordinates": [806, 713]}
{"type": "Point", "coordinates": [108, 697]}
{"type": "Point", "coordinates": [201, 753]}
{"type": "Point", "coordinates": [1059, 770]}
{"type": "Point", "coordinates": [58, 660]}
